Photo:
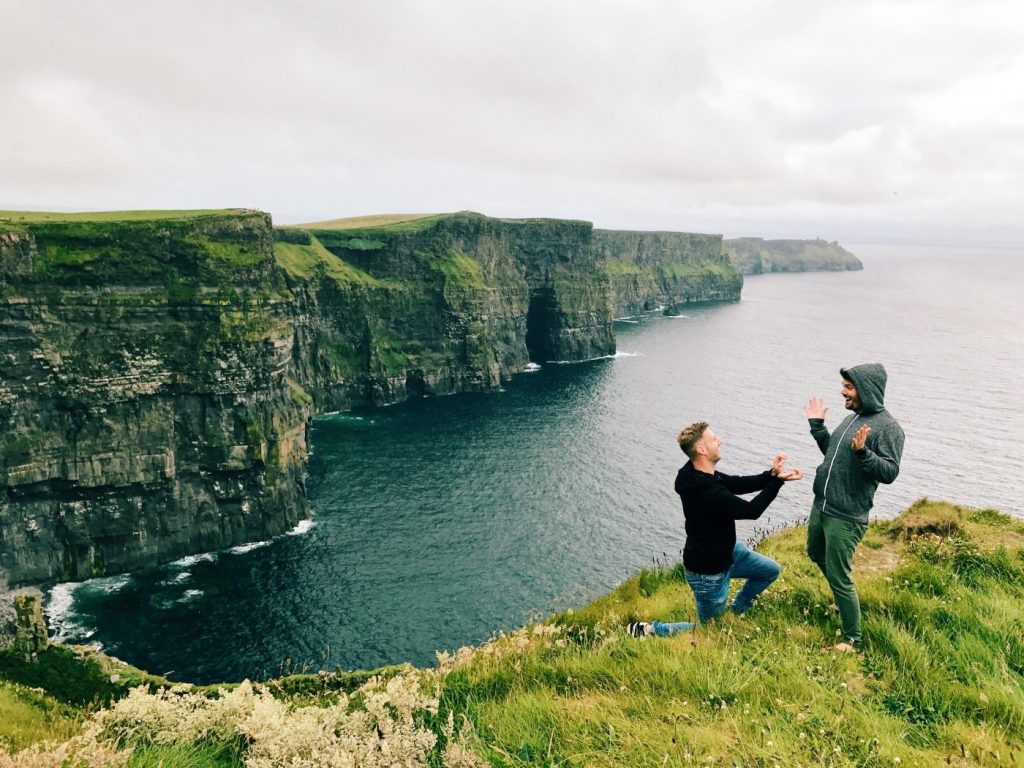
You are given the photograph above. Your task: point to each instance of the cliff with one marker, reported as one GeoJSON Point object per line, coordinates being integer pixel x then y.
{"type": "Point", "coordinates": [145, 403]}
{"type": "Point", "coordinates": [160, 368]}
{"type": "Point", "coordinates": [650, 270]}
{"type": "Point", "coordinates": [755, 256]}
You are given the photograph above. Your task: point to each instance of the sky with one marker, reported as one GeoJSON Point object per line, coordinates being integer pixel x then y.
{"type": "Point", "coordinates": [895, 121]}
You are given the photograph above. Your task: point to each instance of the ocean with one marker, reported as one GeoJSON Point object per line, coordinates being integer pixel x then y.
{"type": "Point", "coordinates": [440, 522]}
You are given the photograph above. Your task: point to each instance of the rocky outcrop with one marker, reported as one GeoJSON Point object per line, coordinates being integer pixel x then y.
{"type": "Point", "coordinates": [755, 256]}
{"type": "Point", "coordinates": [665, 270]}
{"type": "Point", "coordinates": [30, 636]}
{"type": "Point", "coordinates": [158, 373]}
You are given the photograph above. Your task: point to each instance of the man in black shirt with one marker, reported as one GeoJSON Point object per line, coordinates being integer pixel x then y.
{"type": "Point", "coordinates": [711, 506]}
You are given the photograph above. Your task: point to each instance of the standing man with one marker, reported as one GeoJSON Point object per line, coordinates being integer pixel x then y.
{"type": "Point", "coordinates": [862, 452]}
{"type": "Point", "coordinates": [712, 556]}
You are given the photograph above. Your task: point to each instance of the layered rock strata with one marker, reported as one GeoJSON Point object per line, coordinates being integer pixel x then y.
{"type": "Point", "coordinates": [146, 408]}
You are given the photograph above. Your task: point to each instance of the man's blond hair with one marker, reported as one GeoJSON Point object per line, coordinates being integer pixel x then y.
{"type": "Point", "coordinates": [690, 436]}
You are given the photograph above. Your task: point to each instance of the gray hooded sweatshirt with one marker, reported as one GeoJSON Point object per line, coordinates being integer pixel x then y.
{"type": "Point", "coordinates": [845, 482]}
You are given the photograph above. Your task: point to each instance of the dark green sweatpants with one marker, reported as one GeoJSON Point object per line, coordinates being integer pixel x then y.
{"type": "Point", "coordinates": [831, 542]}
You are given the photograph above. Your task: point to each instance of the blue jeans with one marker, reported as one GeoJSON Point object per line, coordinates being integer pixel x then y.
{"type": "Point", "coordinates": [712, 590]}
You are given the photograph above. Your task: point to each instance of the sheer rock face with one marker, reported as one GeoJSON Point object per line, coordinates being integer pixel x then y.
{"type": "Point", "coordinates": [666, 270]}
{"type": "Point", "coordinates": [157, 375]}
{"type": "Point", "coordinates": [145, 407]}
{"type": "Point", "coordinates": [755, 256]}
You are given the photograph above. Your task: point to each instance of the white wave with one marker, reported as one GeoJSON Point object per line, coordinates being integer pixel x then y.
{"type": "Point", "coordinates": [190, 595]}
{"type": "Point", "coordinates": [679, 317]}
{"type": "Point", "coordinates": [629, 320]}
{"type": "Point", "coordinates": [301, 528]}
{"type": "Point", "coordinates": [628, 354]}
{"type": "Point", "coordinates": [340, 416]}
{"type": "Point", "coordinates": [577, 362]}
{"type": "Point", "coordinates": [110, 584]}
{"type": "Point", "coordinates": [61, 598]}
{"type": "Point", "coordinates": [531, 367]}
{"type": "Point", "coordinates": [178, 578]}
{"type": "Point", "coordinates": [241, 549]}
{"type": "Point", "coordinates": [59, 614]}
{"type": "Point", "coordinates": [191, 560]}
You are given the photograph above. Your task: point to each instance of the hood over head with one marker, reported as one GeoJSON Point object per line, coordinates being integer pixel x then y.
{"type": "Point", "coordinates": [869, 379]}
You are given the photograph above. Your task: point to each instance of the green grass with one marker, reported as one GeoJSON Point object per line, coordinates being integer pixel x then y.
{"type": "Point", "coordinates": [942, 674]}
{"type": "Point", "coordinates": [683, 271]}
{"type": "Point", "coordinates": [103, 216]}
{"type": "Point", "coordinates": [363, 222]}
{"type": "Point", "coordinates": [308, 261]}
{"type": "Point", "coordinates": [940, 680]}
{"type": "Point", "coordinates": [459, 269]}
{"type": "Point", "coordinates": [29, 716]}
{"type": "Point", "coordinates": [373, 228]}
{"type": "Point", "coordinates": [75, 677]}
{"type": "Point", "coordinates": [201, 755]}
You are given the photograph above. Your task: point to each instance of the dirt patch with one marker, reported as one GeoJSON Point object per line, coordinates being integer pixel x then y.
{"type": "Point", "coordinates": [869, 560]}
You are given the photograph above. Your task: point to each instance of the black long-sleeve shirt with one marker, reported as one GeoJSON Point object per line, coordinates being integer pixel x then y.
{"type": "Point", "coordinates": [711, 508]}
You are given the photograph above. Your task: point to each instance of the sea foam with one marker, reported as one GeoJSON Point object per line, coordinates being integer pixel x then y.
{"type": "Point", "coordinates": [241, 549]}
{"type": "Point", "coordinates": [303, 527]}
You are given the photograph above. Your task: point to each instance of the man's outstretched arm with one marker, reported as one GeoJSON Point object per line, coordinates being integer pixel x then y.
{"type": "Point", "coordinates": [740, 509]}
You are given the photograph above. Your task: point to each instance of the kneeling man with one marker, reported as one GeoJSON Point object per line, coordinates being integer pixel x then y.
{"type": "Point", "coordinates": [711, 506]}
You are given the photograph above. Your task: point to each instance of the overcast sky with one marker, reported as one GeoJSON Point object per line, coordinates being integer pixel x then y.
{"type": "Point", "coordinates": [852, 121]}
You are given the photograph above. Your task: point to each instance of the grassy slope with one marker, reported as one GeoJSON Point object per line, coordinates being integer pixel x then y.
{"type": "Point", "coordinates": [306, 261]}
{"type": "Point", "coordinates": [942, 674]}
{"type": "Point", "coordinates": [100, 216]}
{"type": "Point", "coordinates": [364, 222]}
{"type": "Point", "coordinates": [941, 679]}
{"type": "Point", "coordinates": [28, 716]}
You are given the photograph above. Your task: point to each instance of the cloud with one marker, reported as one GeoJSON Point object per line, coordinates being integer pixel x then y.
{"type": "Point", "coordinates": [659, 112]}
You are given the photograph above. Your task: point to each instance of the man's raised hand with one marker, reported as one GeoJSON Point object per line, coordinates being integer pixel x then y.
{"type": "Point", "coordinates": [861, 438]}
{"type": "Point", "coordinates": [780, 471]}
{"type": "Point", "coordinates": [815, 408]}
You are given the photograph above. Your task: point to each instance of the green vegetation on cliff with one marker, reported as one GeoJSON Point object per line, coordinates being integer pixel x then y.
{"type": "Point", "coordinates": [362, 222]}
{"type": "Point", "coordinates": [109, 216]}
{"type": "Point", "coordinates": [940, 681]}
{"type": "Point", "coordinates": [310, 260]}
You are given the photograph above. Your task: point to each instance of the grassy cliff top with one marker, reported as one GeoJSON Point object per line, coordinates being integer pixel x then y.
{"type": "Point", "coordinates": [366, 222]}
{"type": "Point", "coordinates": [940, 680]}
{"type": "Point", "coordinates": [116, 216]}
{"type": "Point", "coordinates": [409, 222]}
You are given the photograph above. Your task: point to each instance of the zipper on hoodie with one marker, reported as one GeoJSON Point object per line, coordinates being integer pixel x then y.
{"type": "Point", "coordinates": [824, 491]}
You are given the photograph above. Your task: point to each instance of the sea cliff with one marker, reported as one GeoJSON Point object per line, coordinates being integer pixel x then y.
{"type": "Point", "coordinates": [755, 256]}
{"type": "Point", "coordinates": [160, 368]}
{"type": "Point", "coordinates": [146, 405]}
{"type": "Point", "coordinates": [651, 270]}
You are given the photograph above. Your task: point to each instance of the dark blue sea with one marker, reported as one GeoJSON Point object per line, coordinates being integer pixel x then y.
{"type": "Point", "coordinates": [440, 522]}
